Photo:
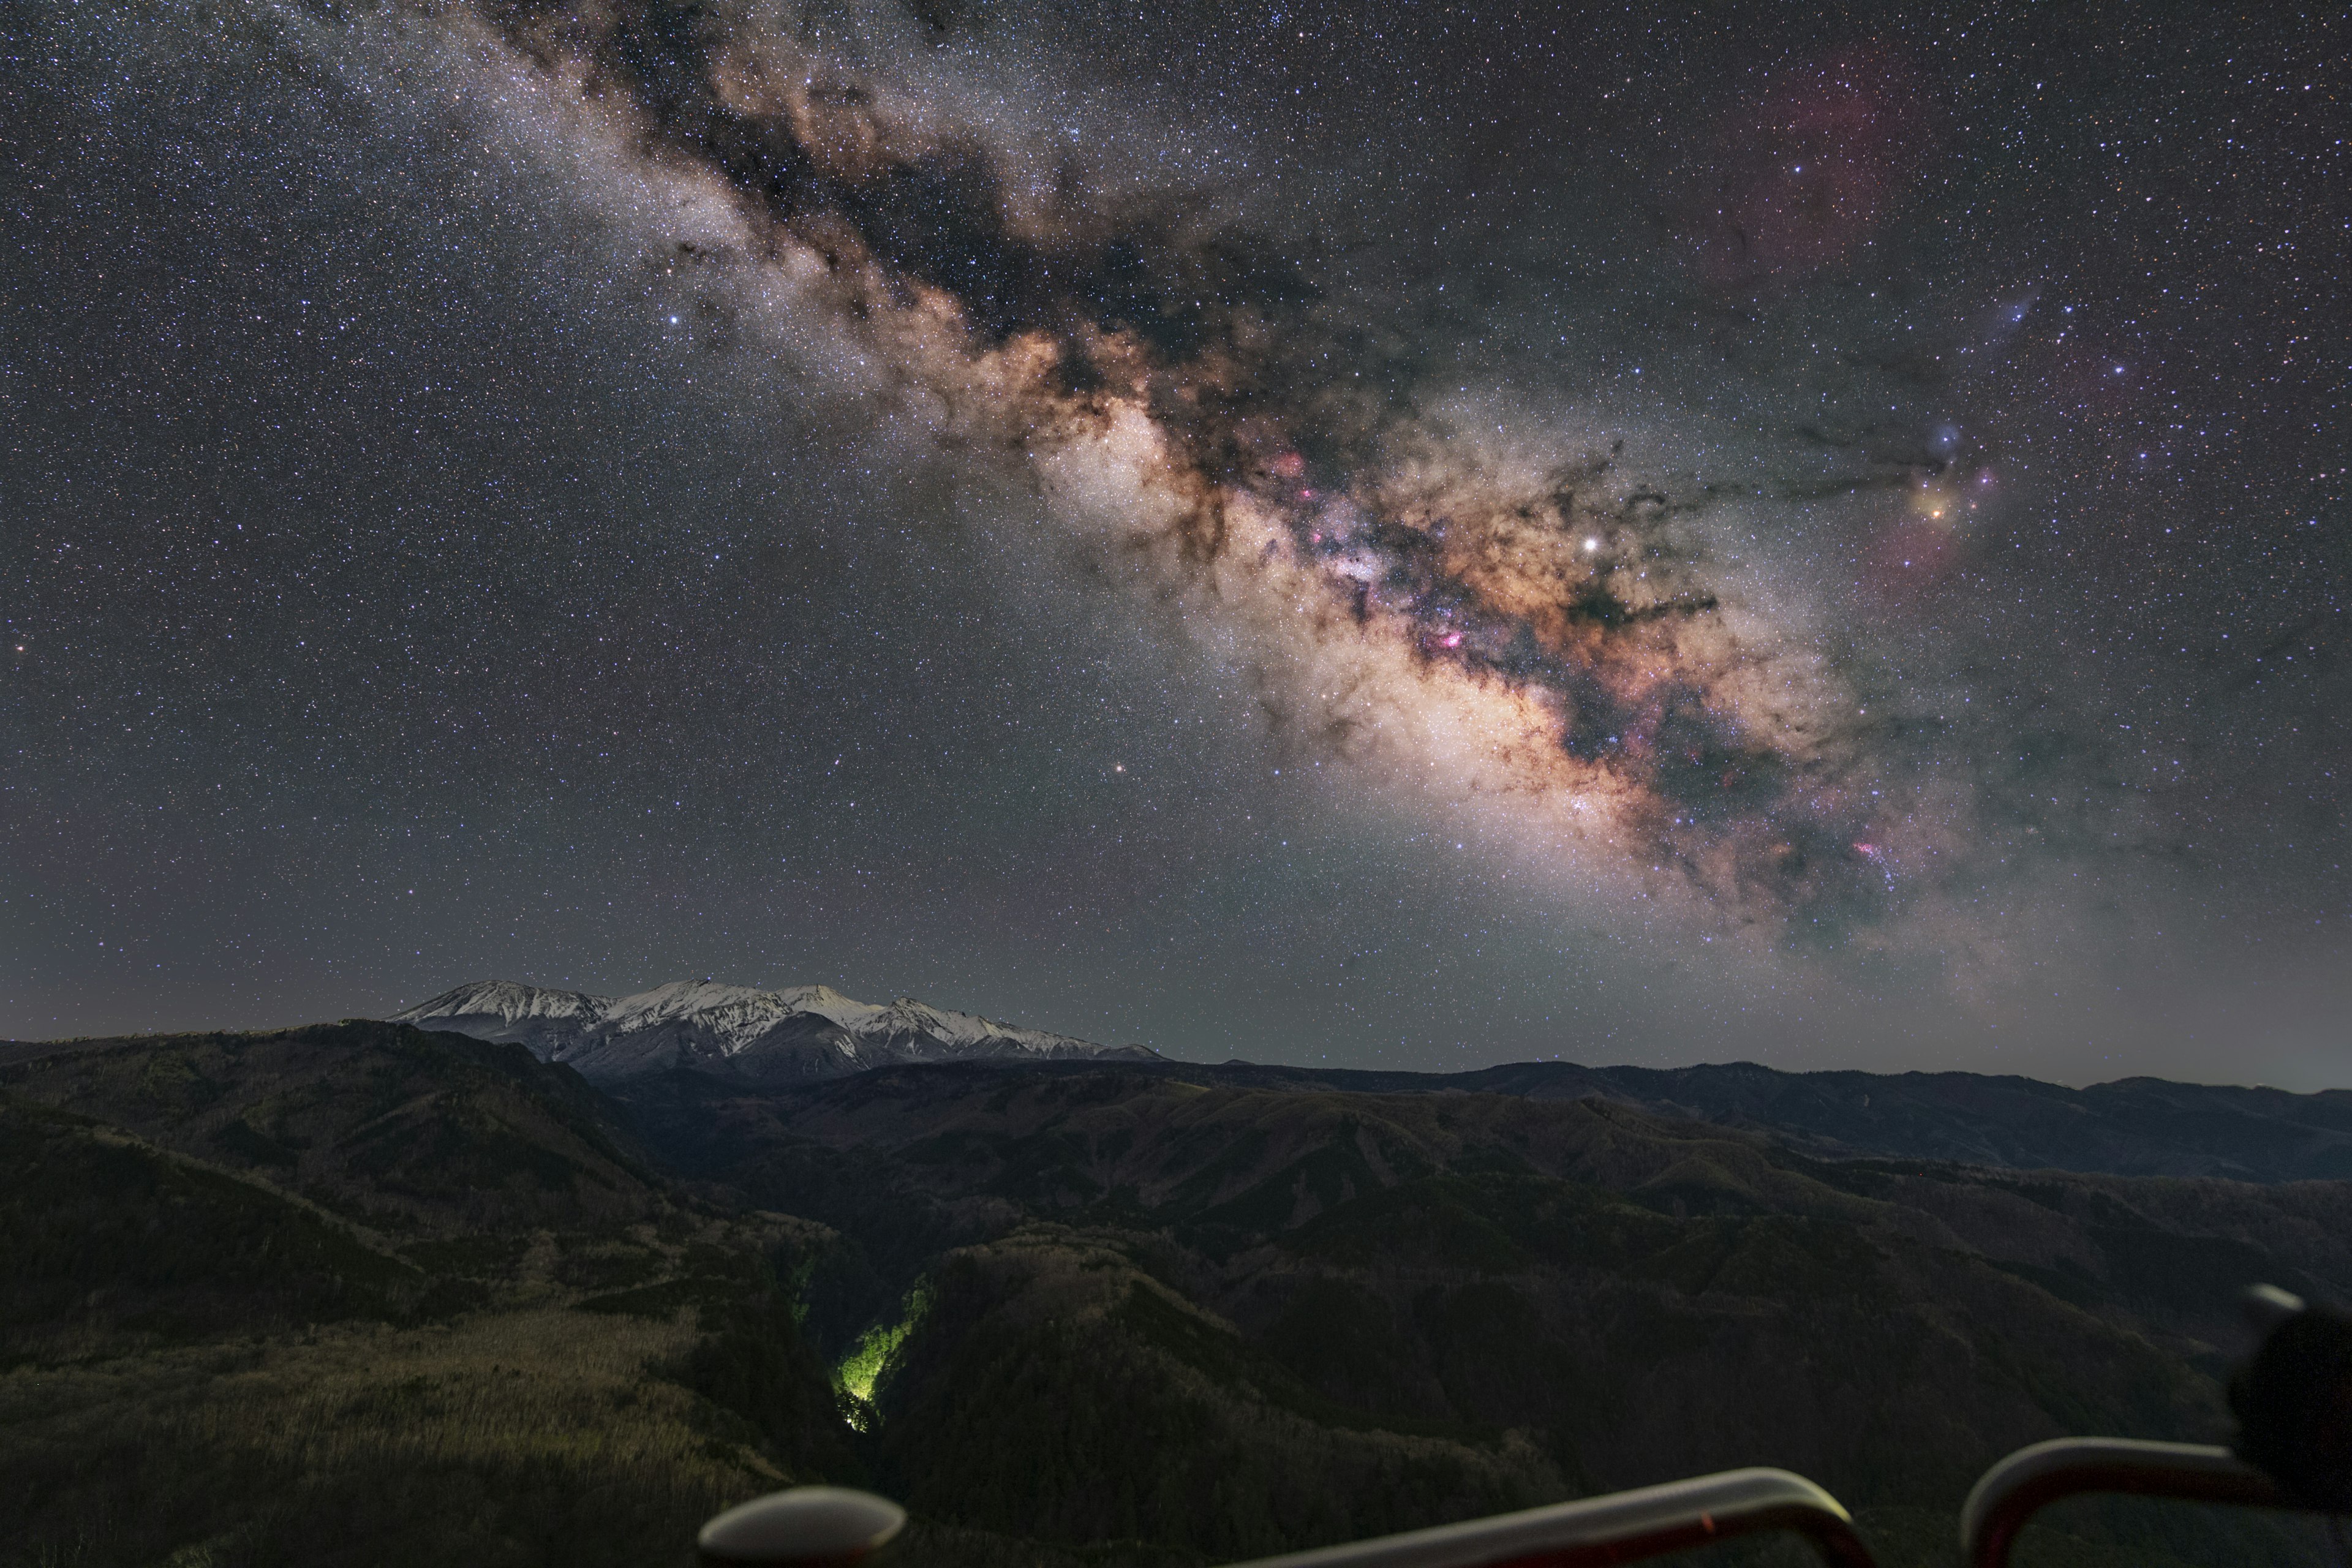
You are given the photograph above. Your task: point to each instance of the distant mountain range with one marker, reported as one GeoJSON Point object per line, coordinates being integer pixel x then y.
{"type": "Point", "coordinates": [792, 1036]}
{"type": "Point", "coordinates": [1052, 1302]}
{"type": "Point", "coordinates": [2131, 1127]}
{"type": "Point", "coordinates": [806, 1034]}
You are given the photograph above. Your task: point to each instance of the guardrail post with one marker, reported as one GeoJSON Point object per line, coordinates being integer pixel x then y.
{"type": "Point", "coordinates": [802, 1527]}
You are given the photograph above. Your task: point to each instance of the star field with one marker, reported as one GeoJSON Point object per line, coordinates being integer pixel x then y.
{"type": "Point", "coordinates": [1414, 536]}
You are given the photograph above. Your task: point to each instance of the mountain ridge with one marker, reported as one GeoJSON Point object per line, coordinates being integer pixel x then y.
{"type": "Point", "coordinates": [972, 1285]}
{"type": "Point", "coordinates": [798, 1033]}
{"type": "Point", "coordinates": [2135, 1126]}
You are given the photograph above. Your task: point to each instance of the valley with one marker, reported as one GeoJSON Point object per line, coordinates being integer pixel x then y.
{"type": "Point", "coordinates": [365, 1293]}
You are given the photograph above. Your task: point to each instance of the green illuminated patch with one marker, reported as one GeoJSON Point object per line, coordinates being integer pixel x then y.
{"type": "Point", "coordinates": [863, 1367]}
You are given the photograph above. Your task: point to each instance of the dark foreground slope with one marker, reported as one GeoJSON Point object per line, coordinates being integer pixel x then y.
{"type": "Point", "coordinates": [355, 1295]}
{"type": "Point", "coordinates": [358, 1294]}
{"type": "Point", "coordinates": [1238, 1319]}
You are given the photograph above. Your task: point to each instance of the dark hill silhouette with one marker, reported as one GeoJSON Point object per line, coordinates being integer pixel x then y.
{"type": "Point", "coordinates": [1232, 1252]}
{"type": "Point", "coordinates": [399, 1127]}
{"type": "Point", "coordinates": [362, 1294]}
{"type": "Point", "coordinates": [2134, 1127]}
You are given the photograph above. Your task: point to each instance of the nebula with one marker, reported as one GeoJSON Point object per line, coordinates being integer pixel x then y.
{"type": "Point", "coordinates": [1408, 531]}
{"type": "Point", "coordinates": [1802, 177]}
{"type": "Point", "coordinates": [1548, 628]}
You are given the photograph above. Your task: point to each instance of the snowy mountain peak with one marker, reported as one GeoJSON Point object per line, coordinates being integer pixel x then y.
{"type": "Point", "coordinates": [505, 999]}
{"type": "Point", "coordinates": [800, 1032]}
{"type": "Point", "coordinates": [681, 998]}
{"type": "Point", "coordinates": [816, 996]}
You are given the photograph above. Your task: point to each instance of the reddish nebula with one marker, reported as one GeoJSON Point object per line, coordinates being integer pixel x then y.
{"type": "Point", "coordinates": [1911, 557]}
{"type": "Point", "coordinates": [1801, 177]}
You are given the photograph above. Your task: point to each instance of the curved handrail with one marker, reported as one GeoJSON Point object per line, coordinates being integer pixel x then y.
{"type": "Point", "coordinates": [2032, 1478]}
{"type": "Point", "coordinates": [832, 1527]}
{"type": "Point", "coordinates": [1622, 1527]}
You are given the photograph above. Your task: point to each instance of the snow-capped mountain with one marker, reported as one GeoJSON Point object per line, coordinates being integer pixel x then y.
{"type": "Point", "coordinates": [804, 1032]}
{"type": "Point", "coordinates": [521, 1015]}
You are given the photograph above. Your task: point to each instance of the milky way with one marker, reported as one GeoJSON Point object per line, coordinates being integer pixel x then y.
{"type": "Point", "coordinates": [1558, 619]}
{"type": "Point", "coordinates": [1790, 497]}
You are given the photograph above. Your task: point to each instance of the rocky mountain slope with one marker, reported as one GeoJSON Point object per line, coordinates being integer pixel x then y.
{"type": "Point", "coordinates": [768, 1036]}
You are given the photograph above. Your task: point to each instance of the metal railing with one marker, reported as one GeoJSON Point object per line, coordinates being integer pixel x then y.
{"type": "Point", "coordinates": [831, 1527]}
{"type": "Point", "coordinates": [804, 1526]}
{"type": "Point", "coordinates": [1622, 1527]}
{"type": "Point", "coordinates": [2029, 1480]}
{"type": "Point", "coordinates": [812, 1526]}
{"type": "Point", "coordinates": [2289, 1396]}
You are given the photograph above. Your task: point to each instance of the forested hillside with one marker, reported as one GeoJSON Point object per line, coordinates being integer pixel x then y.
{"type": "Point", "coordinates": [360, 1294]}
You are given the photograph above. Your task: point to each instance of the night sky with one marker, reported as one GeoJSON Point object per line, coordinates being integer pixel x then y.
{"type": "Point", "coordinates": [1407, 535]}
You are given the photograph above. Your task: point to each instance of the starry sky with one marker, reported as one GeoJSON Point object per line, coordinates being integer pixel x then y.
{"type": "Point", "coordinates": [1410, 535]}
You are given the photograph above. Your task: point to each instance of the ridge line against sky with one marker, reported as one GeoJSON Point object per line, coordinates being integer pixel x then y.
{"type": "Point", "coordinates": [1396, 538]}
